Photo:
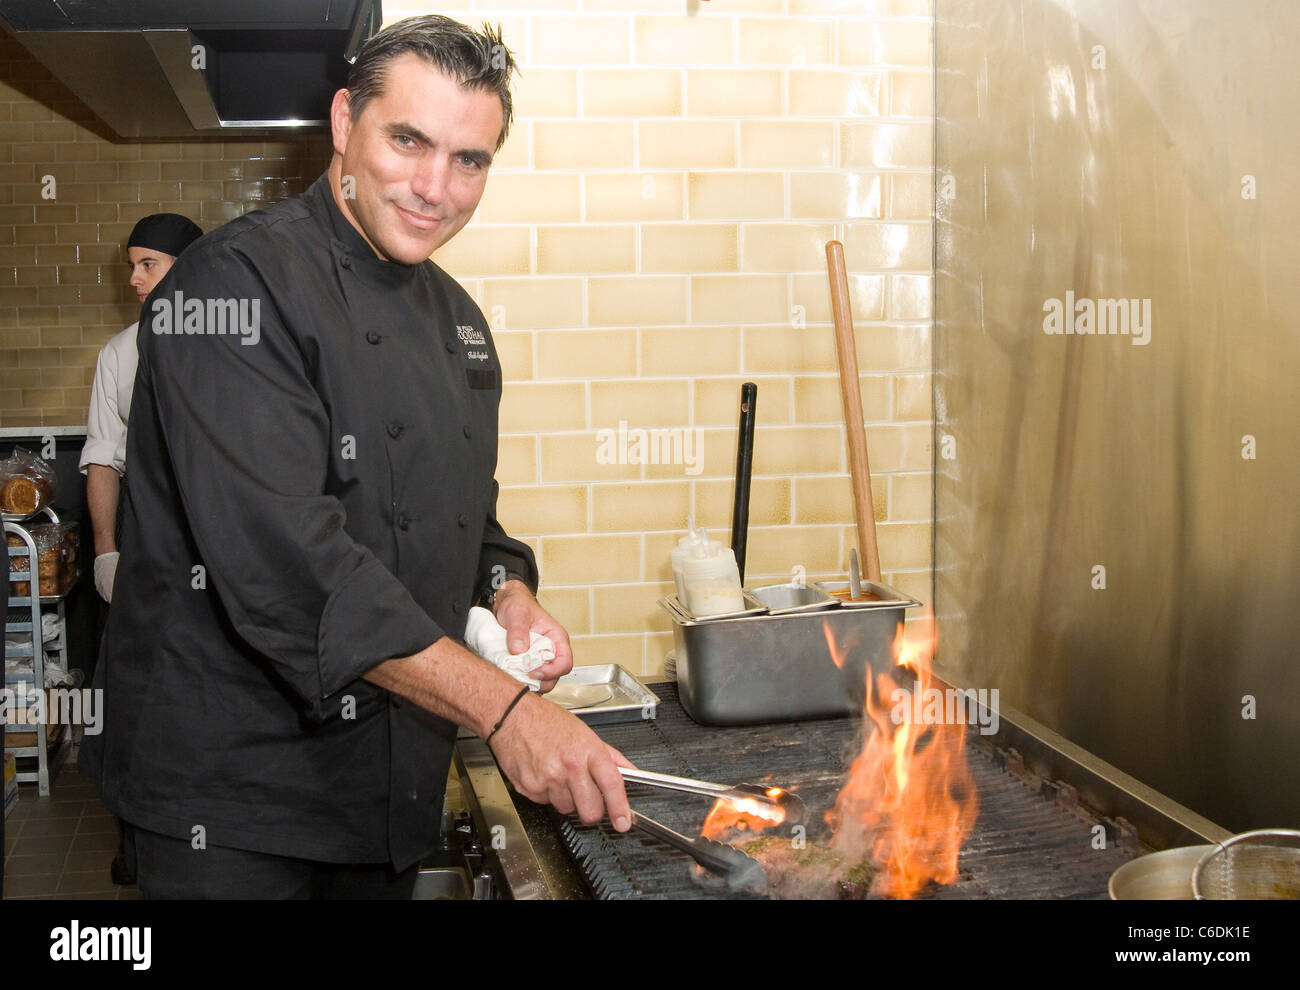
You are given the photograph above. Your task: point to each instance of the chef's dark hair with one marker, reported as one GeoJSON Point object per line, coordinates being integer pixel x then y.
{"type": "Point", "coordinates": [476, 60]}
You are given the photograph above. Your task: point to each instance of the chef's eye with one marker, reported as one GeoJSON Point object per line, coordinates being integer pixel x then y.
{"type": "Point", "coordinates": [469, 161]}
{"type": "Point", "coordinates": [405, 140]}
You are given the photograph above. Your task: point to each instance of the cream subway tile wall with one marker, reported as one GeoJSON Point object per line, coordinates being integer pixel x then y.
{"type": "Point", "coordinates": [817, 399]}
{"type": "Point", "coordinates": [690, 351]}
{"type": "Point", "coordinates": [641, 196]}
{"type": "Point", "coordinates": [570, 606]}
{"type": "Point", "coordinates": [686, 248]}
{"type": "Point", "coordinates": [656, 505]}
{"type": "Point", "coordinates": [585, 354]}
{"type": "Point", "coordinates": [515, 351]}
{"type": "Point", "coordinates": [683, 164]}
{"type": "Point", "coordinates": [675, 41]}
{"type": "Point", "coordinates": [627, 606]}
{"type": "Point", "coordinates": [649, 403]}
{"type": "Point", "coordinates": [651, 237]}
{"type": "Point", "coordinates": [586, 248]}
{"type": "Point", "coordinates": [686, 144]}
{"type": "Point", "coordinates": [550, 509]}
{"type": "Point", "coordinates": [769, 500]}
{"type": "Point", "coordinates": [715, 399]}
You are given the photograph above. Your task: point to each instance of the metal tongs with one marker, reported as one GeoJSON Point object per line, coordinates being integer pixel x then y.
{"type": "Point", "coordinates": [742, 872]}
{"type": "Point", "coordinates": [768, 799]}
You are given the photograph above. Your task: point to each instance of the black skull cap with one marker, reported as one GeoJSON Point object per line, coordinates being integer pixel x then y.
{"type": "Point", "coordinates": [169, 233]}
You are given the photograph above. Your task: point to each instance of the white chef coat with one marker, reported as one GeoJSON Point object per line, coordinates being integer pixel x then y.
{"type": "Point", "coordinates": [110, 402]}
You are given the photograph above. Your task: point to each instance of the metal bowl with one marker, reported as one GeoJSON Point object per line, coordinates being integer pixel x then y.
{"type": "Point", "coordinates": [1161, 876]}
{"type": "Point", "coordinates": [783, 598]}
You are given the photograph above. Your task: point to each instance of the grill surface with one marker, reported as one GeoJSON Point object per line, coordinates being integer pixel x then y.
{"type": "Point", "coordinates": [1028, 841]}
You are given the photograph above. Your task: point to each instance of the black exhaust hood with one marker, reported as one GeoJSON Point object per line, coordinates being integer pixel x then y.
{"type": "Point", "coordinates": [187, 68]}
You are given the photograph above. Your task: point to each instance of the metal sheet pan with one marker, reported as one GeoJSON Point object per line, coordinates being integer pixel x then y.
{"type": "Point", "coordinates": [629, 700]}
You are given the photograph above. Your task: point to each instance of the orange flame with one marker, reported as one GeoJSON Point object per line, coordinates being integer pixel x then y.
{"type": "Point", "coordinates": [732, 818]}
{"type": "Point", "coordinates": [838, 654]}
{"type": "Point", "coordinates": [909, 801]}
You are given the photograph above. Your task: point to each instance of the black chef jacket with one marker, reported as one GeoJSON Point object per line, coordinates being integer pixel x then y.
{"type": "Point", "coordinates": [307, 500]}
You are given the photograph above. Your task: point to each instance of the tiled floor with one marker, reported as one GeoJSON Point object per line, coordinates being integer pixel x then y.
{"type": "Point", "coordinates": [60, 847]}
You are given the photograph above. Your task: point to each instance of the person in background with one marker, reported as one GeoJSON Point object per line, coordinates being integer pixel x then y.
{"type": "Point", "coordinates": [152, 248]}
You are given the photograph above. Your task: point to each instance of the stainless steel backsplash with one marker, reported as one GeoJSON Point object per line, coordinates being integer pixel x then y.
{"type": "Point", "coordinates": [1117, 543]}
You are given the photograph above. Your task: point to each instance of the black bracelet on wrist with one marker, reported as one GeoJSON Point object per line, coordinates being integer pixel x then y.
{"type": "Point", "coordinates": [489, 597]}
{"type": "Point", "coordinates": [506, 714]}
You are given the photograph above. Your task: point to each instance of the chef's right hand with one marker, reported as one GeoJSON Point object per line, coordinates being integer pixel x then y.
{"type": "Point", "coordinates": [553, 757]}
{"type": "Point", "coordinates": [105, 573]}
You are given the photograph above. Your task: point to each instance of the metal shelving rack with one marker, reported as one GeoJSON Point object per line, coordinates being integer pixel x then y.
{"type": "Point", "coordinates": [24, 616]}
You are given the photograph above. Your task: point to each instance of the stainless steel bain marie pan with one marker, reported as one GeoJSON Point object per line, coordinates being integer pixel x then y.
{"type": "Point", "coordinates": [782, 598]}
{"type": "Point", "coordinates": [778, 668]}
{"type": "Point", "coordinates": [752, 607]}
{"type": "Point", "coordinates": [874, 594]}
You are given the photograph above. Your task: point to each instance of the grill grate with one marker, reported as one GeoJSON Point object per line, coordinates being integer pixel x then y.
{"type": "Point", "coordinates": [1029, 841]}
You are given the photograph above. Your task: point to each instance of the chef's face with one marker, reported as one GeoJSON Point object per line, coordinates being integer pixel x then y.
{"type": "Point", "coordinates": [147, 268]}
{"type": "Point", "coordinates": [417, 157]}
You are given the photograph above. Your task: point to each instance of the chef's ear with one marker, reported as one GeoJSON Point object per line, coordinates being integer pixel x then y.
{"type": "Point", "coordinates": [341, 120]}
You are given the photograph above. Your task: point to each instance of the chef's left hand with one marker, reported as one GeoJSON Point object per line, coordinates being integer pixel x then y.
{"type": "Point", "coordinates": [520, 613]}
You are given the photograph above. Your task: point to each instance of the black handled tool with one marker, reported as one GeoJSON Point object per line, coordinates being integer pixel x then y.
{"type": "Point", "coordinates": [744, 469]}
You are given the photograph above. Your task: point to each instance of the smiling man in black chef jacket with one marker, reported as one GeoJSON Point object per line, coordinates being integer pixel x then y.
{"type": "Point", "coordinates": [312, 514]}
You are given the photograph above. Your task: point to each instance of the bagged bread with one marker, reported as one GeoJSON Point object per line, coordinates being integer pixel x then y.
{"type": "Point", "coordinates": [26, 483]}
{"type": "Point", "coordinates": [50, 553]}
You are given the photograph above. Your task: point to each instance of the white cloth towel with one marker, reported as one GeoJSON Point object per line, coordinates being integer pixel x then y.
{"type": "Point", "coordinates": [487, 637]}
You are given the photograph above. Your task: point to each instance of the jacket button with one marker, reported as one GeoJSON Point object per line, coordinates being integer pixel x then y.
{"type": "Point", "coordinates": [468, 432]}
{"type": "Point", "coordinates": [403, 522]}
{"type": "Point", "coordinates": [462, 520]}
{"type": "Point", "coordinates": [372, 337]}
{"type": "Point", "coordinates": [346, 261]}
{"type": "Point", "coordinates": [395, 429]}
{"type": "Point", "coordinates": [458, 608]}
{"type": "Point", "coordinates": [450, 345]}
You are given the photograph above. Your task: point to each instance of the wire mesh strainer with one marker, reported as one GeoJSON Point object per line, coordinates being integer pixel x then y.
{"type": "Point", "coordinates": [1259, 865]}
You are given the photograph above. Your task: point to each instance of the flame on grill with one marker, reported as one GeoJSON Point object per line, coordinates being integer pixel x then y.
{"type": "Point", "coordinates": [909, 801]}
{"type": "Point", "coordinates": [736, 818]}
